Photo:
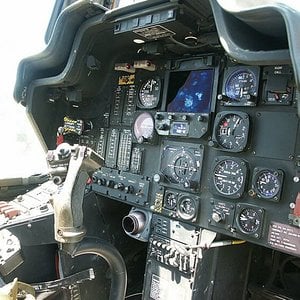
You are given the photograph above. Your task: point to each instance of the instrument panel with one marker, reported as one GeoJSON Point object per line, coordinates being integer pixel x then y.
{"type": "Point", "coordinates": [206, 142]}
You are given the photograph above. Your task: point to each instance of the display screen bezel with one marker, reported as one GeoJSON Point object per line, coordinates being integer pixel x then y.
{"type": "Point", "coordinates": [180, 89]}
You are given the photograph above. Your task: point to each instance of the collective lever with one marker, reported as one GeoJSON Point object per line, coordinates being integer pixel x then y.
{"type": "Point", "coordinates": [72, 166]}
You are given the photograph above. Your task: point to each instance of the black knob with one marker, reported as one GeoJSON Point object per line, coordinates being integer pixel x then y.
{"type": "Point", "coordinates": [110, 183]}
{"type": "Point", "coordinates": [163, 126]}
{"type": "Point", "coordinates": [212, 143]}
{"type": "Point", "coordinates": [129, 189]}
{"type": "Point", "coordinates": [102, 181]}
{"type": "Point", "coordinates": [120, 186]}
{"type": "Point", "coordinates": [141, 140]}
{"type": "Point", "coordinates": [190, 184]}
{"type": "Point", "coordinates": [201, 118]}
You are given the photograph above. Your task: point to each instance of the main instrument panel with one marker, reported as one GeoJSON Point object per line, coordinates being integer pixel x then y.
{"type": "Point", "coordinates": [194, 110]}
{"type": "Point", "coordinates": [204, 141]}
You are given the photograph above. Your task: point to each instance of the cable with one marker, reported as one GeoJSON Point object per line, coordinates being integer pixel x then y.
{"type": "Point", "coordinates": [220, 244]}
{"type": "Point", "coordinates": [185, 45]}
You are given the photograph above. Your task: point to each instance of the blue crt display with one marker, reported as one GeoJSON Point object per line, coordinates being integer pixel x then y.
{"type": "Point", "coordinates": [195, 95]}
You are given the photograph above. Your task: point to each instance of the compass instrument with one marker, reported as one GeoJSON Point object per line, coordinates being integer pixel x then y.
{"type": "Point", "coordinates": [182, 165]}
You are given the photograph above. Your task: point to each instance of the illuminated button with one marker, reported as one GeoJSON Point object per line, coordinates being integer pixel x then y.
{"type": "Point", "coordinates": [11, 212]}
{"type": "Point", "coordinates": [297, 206]}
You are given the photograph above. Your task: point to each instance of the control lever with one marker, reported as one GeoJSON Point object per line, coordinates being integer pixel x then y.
{"type": "Point", "coordinates": [64, 282]}
{"type": "Point", "coordinates": [70, 167]}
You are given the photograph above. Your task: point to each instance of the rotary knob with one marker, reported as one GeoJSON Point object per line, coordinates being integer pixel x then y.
{"type": "Point", "coordinates": [217, 217]}
{"type": "Point", "coordinates": [120, 186]}
{"type": "Point", "coordinates": [129, 189]}
{"type": "Point", "coordinates": [110, 183]}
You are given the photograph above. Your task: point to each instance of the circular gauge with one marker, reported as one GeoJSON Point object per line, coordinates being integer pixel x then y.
{"type": "Point", "coordinates": [183, 167]}
{"type": "Point", "coordinates": [249, 220]}
{"type": "Point", "coordinates": [231, 131]}
{"type": "Point", "coordinates": [186, 208]}
{"type": "Point", "coordinates": [170, 200]}
{"type": "Point", "coordinates": [267, 184]}
{"type": "Point", "coordinates": [241, 85]}
{"type": "Point", "coordinates": [143, 127]}
{"type": "Point", "coordinates": [229, 177]}
{"type": "Point", "coordinates": [149, 93]}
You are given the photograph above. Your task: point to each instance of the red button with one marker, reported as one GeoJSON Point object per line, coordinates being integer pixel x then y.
{"type": "Point", "coordinates": [297, 206]}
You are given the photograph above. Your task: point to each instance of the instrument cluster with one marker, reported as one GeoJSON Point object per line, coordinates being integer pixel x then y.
{"type": "Point", "coordinates": [181, 141]}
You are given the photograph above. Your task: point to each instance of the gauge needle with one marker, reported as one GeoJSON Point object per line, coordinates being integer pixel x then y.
{"type": "Point", "coordinates": [151, 85]}
{"type": "Point", "coordinates": [235, 125]}
{"type": "Point", "coordinates": [241, 92]}
{"type": "Point", "coordinates": [223, 176]}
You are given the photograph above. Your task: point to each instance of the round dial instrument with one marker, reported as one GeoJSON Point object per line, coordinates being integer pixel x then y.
{"type": "Point", "coordinates": [249, 220]}
{"type": "Point", "coordinates": [149, 93]}
{"type": "Point", "coordinates": [231, 131]}
{"type": "Point", "coordinates": [229, 177]}
{"type": "Point", "coordinates": [170, 200]}
{"type": "Point", "coordinates": [182, 166]}
{"type": "Point", "coordinates": [241, 85]}
{"type": "Point", "coordinates": [143, 127]}
{"type": "Point", "coordinates": [186, 208]}
{"type": "Point", "coordinates": [267, 183]}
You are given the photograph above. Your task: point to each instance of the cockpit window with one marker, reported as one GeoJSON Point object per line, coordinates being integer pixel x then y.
{"type": "Point", "coordinates": [22, 34]}
{"type": "Point", "coordinates": [127, 2]}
